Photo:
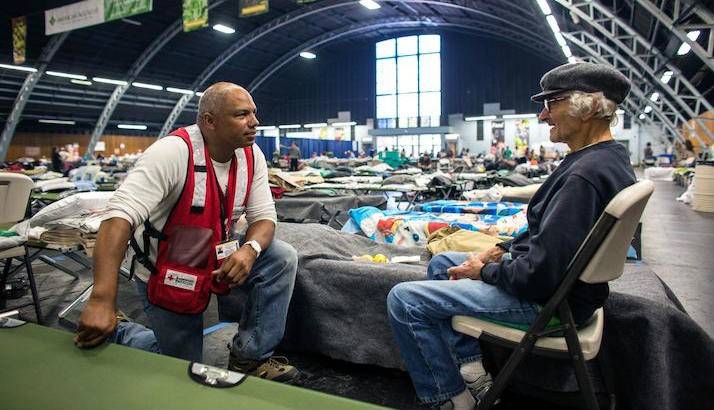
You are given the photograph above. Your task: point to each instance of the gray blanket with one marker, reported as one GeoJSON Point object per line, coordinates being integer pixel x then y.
{"type": "Point", "coordinates": [662, 359]}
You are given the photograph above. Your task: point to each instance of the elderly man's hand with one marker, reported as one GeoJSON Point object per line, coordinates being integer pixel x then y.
{"type": "Point", "coordinates": [470, 269]}
{"type": "Point", "coordinates": [492, 255]}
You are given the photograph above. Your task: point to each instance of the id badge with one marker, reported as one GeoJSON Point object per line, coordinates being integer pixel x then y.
{"type": "Point", "coordinates": [225, 249]}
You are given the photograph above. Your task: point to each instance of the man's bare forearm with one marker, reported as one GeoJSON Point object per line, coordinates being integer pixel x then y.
{"type": "Point", "coordinates": [261, 231]}
{"type": "Point", "coordinates": [108, 254]}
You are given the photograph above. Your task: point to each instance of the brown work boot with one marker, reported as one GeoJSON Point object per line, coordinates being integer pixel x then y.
{"type": "Point", "coordinates": [275, 368]}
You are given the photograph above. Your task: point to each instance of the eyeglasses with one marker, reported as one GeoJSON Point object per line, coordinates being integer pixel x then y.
{"type": "Point", "coordinates": [547, 102]}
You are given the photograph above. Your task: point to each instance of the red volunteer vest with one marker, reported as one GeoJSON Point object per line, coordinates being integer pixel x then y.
{"type": "Point", "coordinates": [202, 218]}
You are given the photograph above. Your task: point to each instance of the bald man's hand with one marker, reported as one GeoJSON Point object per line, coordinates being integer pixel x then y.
{"type": "Point", "coordinates": [97, 323]}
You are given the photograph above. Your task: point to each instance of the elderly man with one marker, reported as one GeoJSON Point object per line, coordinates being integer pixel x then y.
{"type": "Point", "coordinates": [177, 207]}
{"type": "Point", "coordinates": [579, 104]}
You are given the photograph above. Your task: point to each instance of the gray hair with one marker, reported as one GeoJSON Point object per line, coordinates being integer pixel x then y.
{"type": "Point", "coordinates": [581, 103]}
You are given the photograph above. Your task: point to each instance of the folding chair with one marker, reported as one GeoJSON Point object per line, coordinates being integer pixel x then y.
{"type": "Point", "coordinates": [14, 196]}
{"type": "Point", "coordinates": [600, 259]}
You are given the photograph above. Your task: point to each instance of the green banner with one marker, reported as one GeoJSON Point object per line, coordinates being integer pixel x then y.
{"type": "Point", "coordinates": [118, 9]}
{"type": "Point", "coordinates": [19, 36]}
{"type": "Point", "coordinates": [195, 14]}
{"type": "Point", "coordinates": [253, 7]}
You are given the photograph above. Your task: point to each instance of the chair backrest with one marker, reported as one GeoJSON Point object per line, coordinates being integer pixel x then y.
{"type": "Point", "coordinates": [625, 210]}
{"type": "Point", "coordinates": [15, 191]}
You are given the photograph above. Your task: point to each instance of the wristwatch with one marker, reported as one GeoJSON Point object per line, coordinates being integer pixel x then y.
{"type": "Point", "coordinates": [256, 247]}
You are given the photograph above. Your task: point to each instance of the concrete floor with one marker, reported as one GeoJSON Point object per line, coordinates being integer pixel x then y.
{"type": "Point", "coordinates": [676, 243]}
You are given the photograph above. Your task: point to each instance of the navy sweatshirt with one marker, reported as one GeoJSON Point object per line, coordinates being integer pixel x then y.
{"type": "Point", "coordinates": [560, 216]}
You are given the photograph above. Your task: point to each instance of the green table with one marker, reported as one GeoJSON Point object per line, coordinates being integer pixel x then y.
{"type": "Point", "coordinates": [42, 369]}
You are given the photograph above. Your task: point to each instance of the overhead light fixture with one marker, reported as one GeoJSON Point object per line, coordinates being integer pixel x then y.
{"type": "Point", "coordinates": [481, 118]}
{"type": "Point", "coordinates": [66, 75]}
{"type": "Point", "coordinates": [60, 122]}
{"type": "Point", "coordinates": [648, 109]}
{"type": "Point", "coordinates": [642, 116]}
{"type": "Point", "coordinates": [149, 86]}
{"type": "Point", "coordinates": [343, 124]}
{"type": "Point", "coordinates": [553, 23]}
{"type": "Point", "coordinates": [512, 116]}
{"type": "Point", "coordinates": [179, 90]}
{"type": "Point", "coordinates": [654, 97]}
{"type": "Point", "coordinates": [308, 55]}
{"type": "Point", "coordinates": [18, 68]}
{"type": "Point", "coordinates": [315, 125]}
{"type": "Point", "coordinates": [684, 48]}
{"type": "Point", "coordinates": [132, 126]}
{"type": "Point", "coordinates": [132, 22]}
{"type": "Point", "coordinates": [560, 39]}
{"type": "Point", "coordinates": [109, 81]}
{"type": "Point", "coordinates": [620, 112]}
{"type": "Point", "coordinates": [666, 76]}
{"type": "Point", "coordinates": [265, 127]}
{"type": "Point", "coordinates": [567, 52]}
{"type": "Point", "coordinates": [289, 126]}
{"type": "Point", "coordinates": [80, 82]}
{"type": "Point", "coordinates": [451, 137]}
{"type": "Point", "coordinates": [572, 60]}
{"type": "Point", "coordinates": [544, 7]}
{"type": "Point", "coordinates": [224, 29]}
{"type": "Point", "coordinates": [199, 93]}
{"type": "Point", "coordinates": [370, 4]}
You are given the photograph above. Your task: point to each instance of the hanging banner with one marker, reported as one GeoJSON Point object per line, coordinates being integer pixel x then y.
{"type": "Point", "coordinates": [19, 36]}
{"type": "Point", "coordinates": [195, 14]}
{"type": "Point", "coordinates": [253, 7]}
{"type": "Point", "coordinates": [91, 12]}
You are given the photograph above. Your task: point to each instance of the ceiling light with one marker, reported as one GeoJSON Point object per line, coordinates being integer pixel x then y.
{"type": "Point", "coordinates": [179, 90]}
{"type": "Point", "coordinates": [199, 93]}
{"type": "Point", "coordinates": [316, 125]}
{"type": "Point", "coordinates": [552, 23]}
{"type": "Point", "coordinates": [18, 68]}
{"type": "Point", "coordinates": [451, 137]}
{"type": "Point", "coordinates": [684, 48]}
{"type": "Point", "coordinates": [514, 116]}
{"type": "Point", "coordinates": [265, 127]}
{"type": "Point", "coordinates": [61, 122]}
{"type": "Point", "coordinates": [343, 124]}
{"type": "Point", "coordinates": [66, 75]}
{"type": "Point", "coordinates": [149, 86]}
{"type": "Point", "coordinates": [109, 81]}
{"type": "Point", "coordinates": [481, 118]}
{"type": "Point", "coordinates": [560, 39]}
{"type": "Point", "coordinates": [620, 112]}
{"type": "Point", "coordinates": [132, 126]}
{"type": "Point", "coordinates": [648, 109]}
{"type": "Point", "coordinates": [654, 96]}
{"type": "Point", "coordinates": [308, 55]}
{"type": "Point", "coordinates": [642, 116]}
{"type": "Point", "coordinates": [224, 29]}
{"type": "Point", "coordinates": [666, 76]}
{"type": "Point", "coordinates": [80, 82]}
{"type": "Point", "coordinates": [289, 126]}
{"type": "Point", "coordinates": [544, 7]}
{"type": "Point", "coordinates": [370, 4]}
{"type": "Point", "coordinates": [567, 52]}
{"type": "Point", "coordinates": [572, 60]}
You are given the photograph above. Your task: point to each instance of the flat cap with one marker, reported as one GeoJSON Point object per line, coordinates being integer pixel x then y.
{"type": "Point", "coordinates": [586, 77]}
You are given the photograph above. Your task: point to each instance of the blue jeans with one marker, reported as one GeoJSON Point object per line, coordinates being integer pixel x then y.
{"type": "Point", "coordinates": [269, 288]}
{"type": "Point", "coordinates": [420, 314]}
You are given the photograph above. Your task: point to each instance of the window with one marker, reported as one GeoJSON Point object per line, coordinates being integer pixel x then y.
{"type": "Point", "coordinates": [408, 73]}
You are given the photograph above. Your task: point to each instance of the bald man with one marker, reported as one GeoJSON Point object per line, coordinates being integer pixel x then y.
{"type": "Point", "coordinates": [176, 209]}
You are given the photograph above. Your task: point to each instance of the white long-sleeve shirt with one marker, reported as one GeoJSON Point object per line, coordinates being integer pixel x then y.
{"type": "Point", "coordinates": [154, 185]}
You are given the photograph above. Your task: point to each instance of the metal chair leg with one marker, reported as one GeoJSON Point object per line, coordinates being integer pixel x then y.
{"type": "Point", "coordinates": [33, 288]}
{"type": "Point", "coordinates": [3, 279]}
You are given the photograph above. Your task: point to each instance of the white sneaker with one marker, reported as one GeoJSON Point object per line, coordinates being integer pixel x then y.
{"type": "Point", "coordinates": [480, 386]}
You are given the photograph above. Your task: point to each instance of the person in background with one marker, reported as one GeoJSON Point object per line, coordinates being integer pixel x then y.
{"type": "Point", "coordinates": [294, 155]}
{"type": "Point", "coordinates": [425, 162]}
{"type": "Point", "coordinates": [445, 366]}
{"type": "Point", "coordinates": [649, 158]}
{"type": "Point", "coordinates": [56, 160]}
{"type": "Point", "coordinates": [507, 153]}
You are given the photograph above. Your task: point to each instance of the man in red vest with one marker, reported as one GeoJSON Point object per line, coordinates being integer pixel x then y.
{"type": "Point", "coordinates": [176, 209]}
